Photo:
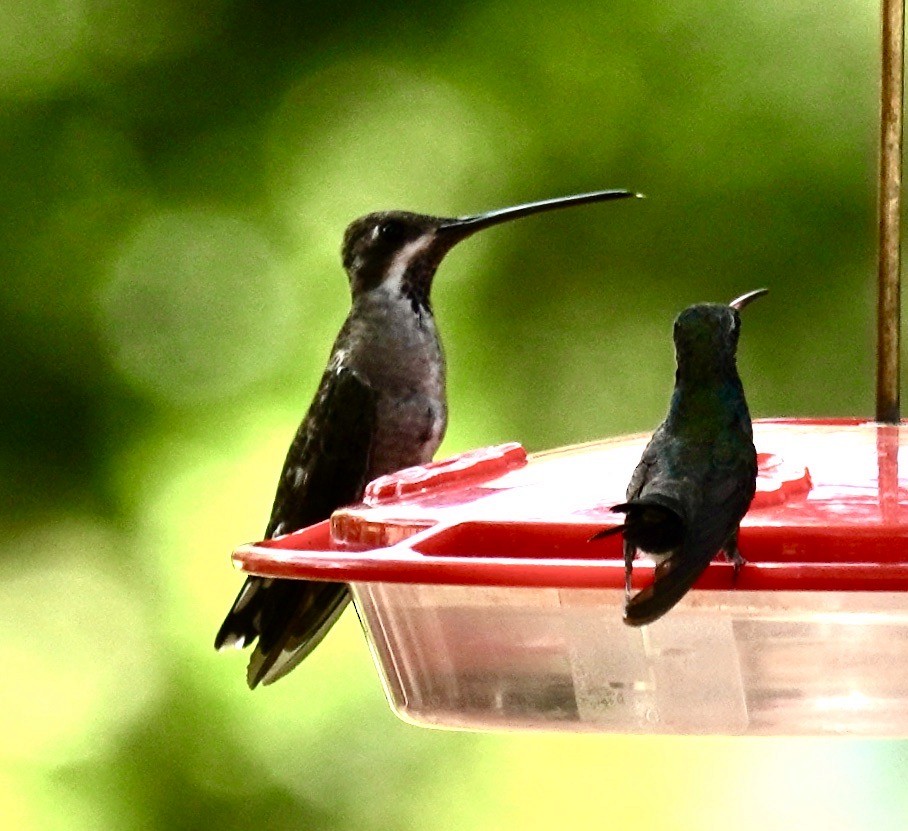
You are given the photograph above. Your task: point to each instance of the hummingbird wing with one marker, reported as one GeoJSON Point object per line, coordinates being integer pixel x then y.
{"type": "Point", "coordinates": [727, 490]}
{"type": "Point", "coordinates": [646, 468]}
{"type": "Point", "coordinates": [638, 479]}
{"type": "Point", "coordinates": [327, 467]}
{"type": "Point", "coordinates": [655, 517]}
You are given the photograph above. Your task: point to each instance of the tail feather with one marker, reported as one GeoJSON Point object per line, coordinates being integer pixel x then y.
{"type": "Point", "coordinates": [288, 617]}
{"type": "Point", "coordinates": [672, 580]}
{"type": "Point", "coordinates": [241, 626]}
{"type": "Point", "coordinates": [656, 525]}
{"type": "Point", "coordinates": [285, 641]}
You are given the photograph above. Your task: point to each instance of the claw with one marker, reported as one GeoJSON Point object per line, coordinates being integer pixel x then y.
{"type": "Point", "coordinates": [629, 553]}
{"type": "Point", "coordinates": [733, 556]}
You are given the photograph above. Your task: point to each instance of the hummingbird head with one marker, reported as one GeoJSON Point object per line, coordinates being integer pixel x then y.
{"type": "Point", "coordinates": [706, 336]}
{"type": "Point", "coordinates": [398, 252]}
{"type": "Point", "coordinates": [393, 250]}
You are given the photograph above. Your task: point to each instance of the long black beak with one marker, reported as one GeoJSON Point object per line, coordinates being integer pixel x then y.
{"type": "Point", "coordinates": [745, 299]}
{"type": "Point", "coordinates": [454, 230]}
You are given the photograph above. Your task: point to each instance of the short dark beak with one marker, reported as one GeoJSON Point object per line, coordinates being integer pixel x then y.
{"type": "Point", "coordinates": [746, 299]}
{"type": "Point", "coordinates": [455, 230]}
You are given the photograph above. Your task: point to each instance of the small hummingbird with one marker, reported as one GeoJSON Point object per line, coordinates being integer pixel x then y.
{"type": "Point", "coordinates": [697, 475]}
{"type": "Point", "coordinates": [380, 407]}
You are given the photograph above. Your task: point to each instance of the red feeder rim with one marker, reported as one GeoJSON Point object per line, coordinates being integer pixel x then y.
{"type": "Point", "coordinates": [830, 514]}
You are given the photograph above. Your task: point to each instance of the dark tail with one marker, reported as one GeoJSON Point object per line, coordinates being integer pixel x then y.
{"type": "Point", "coordinates": [241, 626]}
{"type": "Point", "coordinates": [289, 618]}
{"type": "Point", "coordinates": [673, 579]}
{"type": "Point", "coordinates": [654, 524]}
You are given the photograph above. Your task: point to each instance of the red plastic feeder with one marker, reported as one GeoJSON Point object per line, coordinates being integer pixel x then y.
{"type": "Point", "coordinates": [486, 606]}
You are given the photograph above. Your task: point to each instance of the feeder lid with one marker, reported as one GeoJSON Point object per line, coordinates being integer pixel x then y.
{"type": "Point", "coordinates": [830, 514]}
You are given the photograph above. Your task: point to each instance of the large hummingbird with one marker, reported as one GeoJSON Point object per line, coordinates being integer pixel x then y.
{"type": "Point", "coordinates": [380, 407]}
{"type": "Point", "coordinates": [697, 476]}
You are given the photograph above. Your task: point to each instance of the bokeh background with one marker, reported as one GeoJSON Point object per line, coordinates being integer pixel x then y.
{"type": "Point", "coordinates": [175, 178]}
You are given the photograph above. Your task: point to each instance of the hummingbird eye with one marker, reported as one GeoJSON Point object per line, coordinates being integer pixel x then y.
{"type": "Point", "coordinates": [390, 231]}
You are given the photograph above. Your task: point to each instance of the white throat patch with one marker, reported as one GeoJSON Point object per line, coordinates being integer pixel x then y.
{"type": "Point", "coordinates": [401, 262]}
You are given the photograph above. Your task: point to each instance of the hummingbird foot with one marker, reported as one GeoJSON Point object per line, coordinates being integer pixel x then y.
{"type": "Point", "coordinates": [733, 556]}
{"type": "Point", "coordinates": [629, 553]}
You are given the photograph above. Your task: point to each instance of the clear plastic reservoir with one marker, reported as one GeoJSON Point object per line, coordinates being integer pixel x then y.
{"type": "Point", "coordinates": [770, 663]}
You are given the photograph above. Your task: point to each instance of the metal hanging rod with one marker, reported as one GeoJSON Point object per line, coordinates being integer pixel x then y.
{"type": "Point", "coordinates": [890, 205]}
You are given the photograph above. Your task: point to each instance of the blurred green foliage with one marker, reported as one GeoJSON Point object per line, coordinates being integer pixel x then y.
{"type": "Point", "coordinates": [175, 180]}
